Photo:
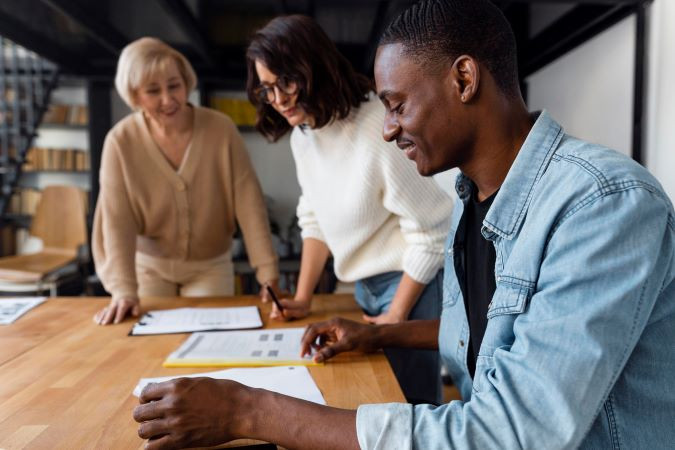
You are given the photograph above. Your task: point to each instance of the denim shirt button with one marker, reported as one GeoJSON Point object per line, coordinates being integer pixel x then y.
{"type": "Point", "coordinates": [461, 343]}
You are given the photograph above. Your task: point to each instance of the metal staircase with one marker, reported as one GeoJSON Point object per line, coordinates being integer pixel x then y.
{"type": "Point", "coordinates": [26, 83]}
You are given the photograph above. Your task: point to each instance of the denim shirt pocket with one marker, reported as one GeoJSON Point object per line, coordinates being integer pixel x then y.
{"type": "Point", "coordinates": [510, 299]}
{"type": "Point", "coordinates": [511, 296]}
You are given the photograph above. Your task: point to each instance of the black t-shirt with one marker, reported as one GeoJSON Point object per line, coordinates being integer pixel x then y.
{"type": "Point", "coordinates": [475, 271]}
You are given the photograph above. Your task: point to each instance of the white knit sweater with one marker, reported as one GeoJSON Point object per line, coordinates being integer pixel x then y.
{"type": "Point", "coordinates": [366, 201]}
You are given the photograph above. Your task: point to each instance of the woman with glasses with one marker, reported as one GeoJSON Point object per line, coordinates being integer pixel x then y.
{"type": "Point", "coordinates": [362, 200]}
{"type": "Point", "coordinates": [175, 178]}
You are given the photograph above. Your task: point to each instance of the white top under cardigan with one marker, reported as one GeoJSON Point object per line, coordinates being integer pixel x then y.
{"type": "Point", "coordinates": [365, 199]}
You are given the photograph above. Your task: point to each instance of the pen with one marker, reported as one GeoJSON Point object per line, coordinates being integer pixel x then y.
{"type": "Point", "coordinates": [275, 299]}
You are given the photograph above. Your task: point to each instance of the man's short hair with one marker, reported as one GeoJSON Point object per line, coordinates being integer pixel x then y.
{"type": "Point", "coordinates": [435, 32]}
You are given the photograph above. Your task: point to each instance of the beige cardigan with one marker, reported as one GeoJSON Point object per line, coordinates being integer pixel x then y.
{"type": "Point", "coordinates": [145, 205]}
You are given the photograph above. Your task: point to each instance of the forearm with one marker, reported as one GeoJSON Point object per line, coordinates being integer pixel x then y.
{"type": "Point", "coordinates": [294, 423]}
{"type": "Point", "coordinates": [407, 294]}
{"type": "Point", "coordinates": [420, 334]}
{"type": "Point", "coordinates": [315, 253]}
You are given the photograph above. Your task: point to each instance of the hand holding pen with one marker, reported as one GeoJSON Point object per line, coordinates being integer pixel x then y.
{"type": "Point", "coordinates": [287, 309]}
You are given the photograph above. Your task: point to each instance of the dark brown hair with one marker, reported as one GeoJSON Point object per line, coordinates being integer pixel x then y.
{"type": "Point", "coordinates": [296, 47]}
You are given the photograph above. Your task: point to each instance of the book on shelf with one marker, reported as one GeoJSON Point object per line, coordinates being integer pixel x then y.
{"type": "Point", "coordinates": [66, 159]}
{"type": "Point", "coordinates": [25, 200]}
{"type": "Point", "coordinates": [66, 115]}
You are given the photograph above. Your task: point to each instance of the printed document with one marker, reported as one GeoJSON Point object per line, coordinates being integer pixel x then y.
{"type": "Point", "coordinates": [270, 347]}
{"type": "Point", "coordinates": [186, 320]}
{"type": "Point", "coordinates": [13, 308]}
{"type": "Point", "coordinates": [293, 381]}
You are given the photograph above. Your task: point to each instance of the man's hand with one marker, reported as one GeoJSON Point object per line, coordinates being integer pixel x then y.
{"type": "Point", "coordinates": [117, 310]}
{"type": "Point", "coordinates": [337, 336]}
{"type": "Point", "coordinates": [190, 412]}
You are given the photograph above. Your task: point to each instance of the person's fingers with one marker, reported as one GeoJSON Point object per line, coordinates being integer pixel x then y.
{"type": "Point", "coordinates": [99, 315]}
{"type": "Point", "coordinates": [294, 309]}
{"type": "Point", "coordinates": [122, 309]}
{"type": "Point", "coordinates": [109, 314]}
{"type": "Point", "coordinates": [309, 336]}
{"type": "Point", "coordinates": [148, 411]}
{"type": "Point", "coordinates": [370, 319]}
{"type": "Point", "coordinates": [165, 442]}
{"type": "Point", "coordinates": [136, 310]}
{"type": "Point", "coordinates": [329, 351]}
{"type": "Point", "coordinates": [154, 391]}
{"type": "Point", "coordinates": [276, 314]}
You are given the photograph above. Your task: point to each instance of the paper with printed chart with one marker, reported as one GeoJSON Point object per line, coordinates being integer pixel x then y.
{"type": "Point", "coordinates": [271, 347]}
{"type": "Point", "coordinates": [15, 307]}
{"type": "Point", "coordinates": [287, 380]}
{"type": "Point", "coordinates": [187, 320]}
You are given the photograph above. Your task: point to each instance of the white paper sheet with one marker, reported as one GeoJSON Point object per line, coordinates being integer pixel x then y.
{"type": "Point", "coordinates": [186, 320]}
{"type": "Point", "coordinates": [13, 308]}
{"type": "Point", "coordinates": [280, 346]}
{"type": "Point", "coordinates": [288, 380]}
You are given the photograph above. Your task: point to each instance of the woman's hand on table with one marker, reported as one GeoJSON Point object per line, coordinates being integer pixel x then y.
{"type": "Point", "coordinates": [388, 317]}
{"type": "Point", "coordinates": [293, 309]}
{"type": "Point", "coordinates": [117, 310]}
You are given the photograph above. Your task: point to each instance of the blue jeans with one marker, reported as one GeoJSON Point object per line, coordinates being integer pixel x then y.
{"type": "Point", "coordinates": [417, 371]}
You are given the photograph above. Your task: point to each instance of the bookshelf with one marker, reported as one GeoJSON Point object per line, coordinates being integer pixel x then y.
{"type": "Point", "coordinates": [59, 154]}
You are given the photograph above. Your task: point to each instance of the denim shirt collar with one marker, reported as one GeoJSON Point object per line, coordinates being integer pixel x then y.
{"type": "Point", "coordinates": [510, 206]}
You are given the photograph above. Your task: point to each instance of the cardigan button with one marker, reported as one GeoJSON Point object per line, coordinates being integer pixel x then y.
{"type": "Point", "coordinates": [181, 186]}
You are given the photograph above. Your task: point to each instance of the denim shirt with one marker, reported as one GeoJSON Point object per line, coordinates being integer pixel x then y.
{"type": "Point", "coordinates": [579, 350]}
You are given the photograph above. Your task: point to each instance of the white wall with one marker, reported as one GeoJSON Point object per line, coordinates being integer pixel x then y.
{"type": "Point", "coordinates": [590, 90]}
{"type": "Point", "coordinates": [660, 151]}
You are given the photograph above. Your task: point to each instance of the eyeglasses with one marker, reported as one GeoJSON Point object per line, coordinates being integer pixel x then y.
{"type": "Point", "coordinates": [267, 94]}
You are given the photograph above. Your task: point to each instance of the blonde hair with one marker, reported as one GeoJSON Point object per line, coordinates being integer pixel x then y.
{"type": "Point", "coordinates": [144, 58]}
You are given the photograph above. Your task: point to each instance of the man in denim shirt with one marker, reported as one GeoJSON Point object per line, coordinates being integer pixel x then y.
{"type": "Point", "coordinates": [578, 324]}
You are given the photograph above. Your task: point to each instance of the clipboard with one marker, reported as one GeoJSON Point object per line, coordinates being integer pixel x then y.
{"type": "Point", "coordinates": [190, 320]}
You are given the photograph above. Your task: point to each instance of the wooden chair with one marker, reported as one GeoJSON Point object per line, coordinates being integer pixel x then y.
{"type": "Point", "coordinates": [60, 222]}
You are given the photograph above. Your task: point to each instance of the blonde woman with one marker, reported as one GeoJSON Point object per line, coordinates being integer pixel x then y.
{"type": "Point", "coordinates": [175, 179]}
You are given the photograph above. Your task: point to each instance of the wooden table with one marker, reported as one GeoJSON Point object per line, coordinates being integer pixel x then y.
{"type": "Point", "coordinates": [66, 383]}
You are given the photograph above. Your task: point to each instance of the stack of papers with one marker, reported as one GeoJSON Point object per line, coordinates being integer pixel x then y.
{"type": "Point", "coordinates": [13, 308]}
{"type": "Point", "coordinates": [293, 381]}
{"type": "Point", "coordinates": [271, 347]}
{"type": "Point", "coordinates": [187, 320]}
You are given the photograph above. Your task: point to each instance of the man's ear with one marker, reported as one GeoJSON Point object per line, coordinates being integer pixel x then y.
{"type": "Point", "coordinates": [465, 75]}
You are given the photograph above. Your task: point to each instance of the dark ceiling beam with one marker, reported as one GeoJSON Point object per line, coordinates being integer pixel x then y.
{"type": "Point", "coordinates": [376, 30]}
{"type": "Point", "coordinates": [579, 2]}
{"type": "Point", "coordinates": [386, 11]}
{"type": "Point", "coordinates": [571, 30]}
{"type": "Point", "coordinates": [18, 32]}
{"type": "Point", "coordinates": [99, 30]}
{"type": "Point", "coordinates": [187, 22]}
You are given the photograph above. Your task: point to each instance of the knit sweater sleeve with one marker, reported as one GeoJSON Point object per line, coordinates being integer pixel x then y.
{"type": "Point", "coordinates": [251, 213]}
{"type": "Point", "coordinates": [115, 227]}
{"type": "Point", "coordinates": [423, 209]}
{"type": "Point", "coordinates": [307, 221]}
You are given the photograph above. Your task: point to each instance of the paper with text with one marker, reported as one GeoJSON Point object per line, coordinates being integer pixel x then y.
{"type": "Point", "coordinates": [271, 347]}
{"type": "Point", "coordinates": [13, 308]}
{"type": "Point", "coordinates": [186, 320]}
{"type": "Point", "coordinates": [293, 381]}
